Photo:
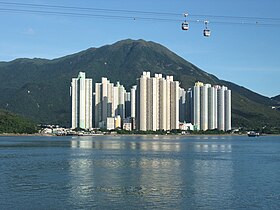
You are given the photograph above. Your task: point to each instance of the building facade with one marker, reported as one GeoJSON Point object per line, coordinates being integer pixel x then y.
{"type": "Point", "coordinates": [157, 103]}
{"type": "Point", "coordinates": [109, 102]}
{"type": "Point", "coordinates": [211, 107]}
{"type": "Point", "coordinates": [81, 97]}
{"type": "Point", "coordinates": [189, 105]}
{"type": "Point", "coordinates": [133, 101]}
{"type": "Point", "coordinates": [182, 106]}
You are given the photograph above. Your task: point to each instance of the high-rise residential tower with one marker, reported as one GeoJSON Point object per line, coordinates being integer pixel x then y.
{"type": "Point", "coordinates": [109, 101]}
{"type": "Point", "coordinates": [189, 105]}
{"type": "Point", "coordinates": [196, 105]}
{"type": "Point", "coordinates": [211, 107]}
{"type": "Point", "coordinates": [103, 102]}
{"type": "Point", "coordinates": [81, 94]}
{"type": "Point", "coordinates": [227, 110]}
{"type": "Point", "coordinates": [182, 106]}
{"type": "Point", "coordinates": [221, 107]}
{"type": "Point", "coordinates": [157, 103]}
{"type": "Point", "coordinates": [204, 106]}
{"type": "Point", "coordinates": [133, 101]}
{"type": "Point", "coordinates": [127, 104]}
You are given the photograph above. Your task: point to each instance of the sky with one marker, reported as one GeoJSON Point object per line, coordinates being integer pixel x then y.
{"type": "Point", "coordinates": [241, 50]}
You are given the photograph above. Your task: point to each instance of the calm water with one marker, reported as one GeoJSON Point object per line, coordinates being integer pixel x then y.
{"type": "Point", "coordinates": [140, 172]}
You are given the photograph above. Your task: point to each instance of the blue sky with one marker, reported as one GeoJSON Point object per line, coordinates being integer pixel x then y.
{"type": "Point", "coordinates": [246, 54]}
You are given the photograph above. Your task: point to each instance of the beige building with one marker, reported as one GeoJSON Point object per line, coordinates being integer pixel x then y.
{"type": "Point", "coordinates": [157, 103]}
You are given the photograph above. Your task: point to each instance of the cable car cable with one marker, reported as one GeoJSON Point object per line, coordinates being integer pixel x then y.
{"type": "Point", "coordinates": [266, 21]}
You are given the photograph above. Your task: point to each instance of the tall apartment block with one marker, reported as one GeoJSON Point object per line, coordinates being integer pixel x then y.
{"type": "Point", "coordinates": [182, 106]}
{"type": "Point", "coordinates": [228, 110]}
{"type": "Point", "coordinates": [157, 103]}
{"type": "Point", "coordinates": [196, 105]}
{"type": "Point", "coordinates": [127, 105]}
{"type": "Point", "coordinates": [211, 107]}
{"type": "Point", "coordinates": [109, 101]}
{"type": "Point", "coordinates": [189, 105]}
{"type": "Point", "coordinates": [133, 101]}
{"type": "Point", "coordinates": [81, 94]}
{"type": "Point", "coordinates": [132, 107]}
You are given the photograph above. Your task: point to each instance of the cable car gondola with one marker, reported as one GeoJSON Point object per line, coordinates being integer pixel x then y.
{"type": "Point", "coordinates": [206, 31]}
{"type": "Point", "coordinates": [185, 25]}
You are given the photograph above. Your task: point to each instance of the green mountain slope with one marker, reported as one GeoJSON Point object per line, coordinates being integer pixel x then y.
{"type": "Point", "coordinates": [276, 100]}
{"type": "Point", "coordinates": [12, 123]}
{"type": "Point", "coordinates": [39, 88]}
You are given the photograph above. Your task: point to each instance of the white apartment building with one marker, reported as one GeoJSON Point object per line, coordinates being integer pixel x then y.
{"type": "Point", "coordinates": [196, 105]}
{"type": "Point", "coordinates": [81, 96]}
{"type": "Point", "coordinates": [133, 101]}
{"type": "Point", "coordinates": [109, 101]}
{"type": "Point", "coordinates": [211, 107]}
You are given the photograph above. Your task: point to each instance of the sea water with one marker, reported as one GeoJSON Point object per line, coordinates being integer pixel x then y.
{"type": "Point", "coordinates": [140, 172]}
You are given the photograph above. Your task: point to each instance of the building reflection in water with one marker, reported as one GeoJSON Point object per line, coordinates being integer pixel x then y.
{"type": "Point", "coordinates": [148, 171]}
{"type": "Point", "coordinates": [124, 145]}
{"type": "Point", "coordinates": [213, 174]}
{"type": "Point", "coordinates": [112, 169]}
{"type": "Point", "coordinates": [204, 147]}
{"type": "Point", "coordinates": [81, 172]}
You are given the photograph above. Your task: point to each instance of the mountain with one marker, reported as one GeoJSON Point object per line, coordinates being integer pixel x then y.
{"type": "Point", "coordinates": [39, 88]}
{"type": "Point", "coordinates": [12, 123]}
{"type": "Point", "coordinates": [277, 102]}
{"type": "Point", "coordinates": [276, 98]}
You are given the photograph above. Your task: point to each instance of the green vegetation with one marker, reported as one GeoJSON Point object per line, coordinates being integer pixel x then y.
{"type": "Point", "coordinates": [209, 132]}
{"type": "Point", "coordinates": [39, 88]}
{"type": "Point", "coordinates": [12, 123]}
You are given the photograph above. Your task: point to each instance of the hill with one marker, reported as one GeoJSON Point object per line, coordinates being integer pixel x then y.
{"type": "Point", "coordinates": [39, 88]}
{"type": "Point", "coordinates": [12, 123]}
{"type": "Point", "coordinates": [276, 98]}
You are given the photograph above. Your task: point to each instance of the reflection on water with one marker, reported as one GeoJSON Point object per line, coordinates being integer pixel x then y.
{"type": "Point", "coordinates": [81, 172]}
{"type": "Point", "coordinates": [219, 187]}
{"type": "Point", "coordinates": [124, 145]}
{"type": "Point", "coordinates": [157, 177]}
{"type": "Point", "coordinates": [139, 173]}
{"type": "Point", "coordinates": [212, 147]}
{"type": "Point", "coordinates": [108, 176]}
